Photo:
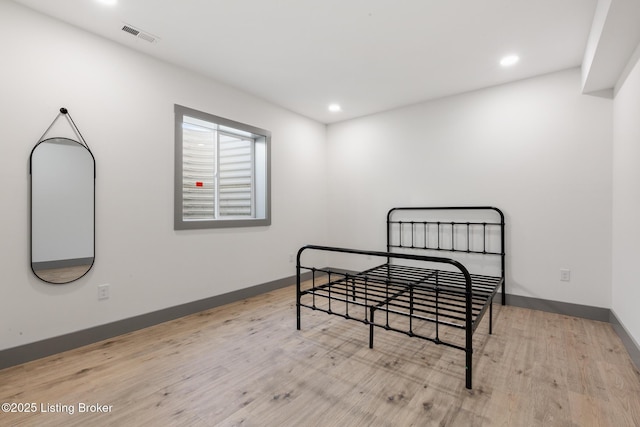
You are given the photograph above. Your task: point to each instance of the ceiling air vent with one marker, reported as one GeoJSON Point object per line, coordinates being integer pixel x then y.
{"type": "Point", "coordinates": [139, 33]}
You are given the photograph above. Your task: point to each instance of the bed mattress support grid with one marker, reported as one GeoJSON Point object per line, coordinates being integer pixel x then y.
{"type": "Point", "coordinates": [444, 298]}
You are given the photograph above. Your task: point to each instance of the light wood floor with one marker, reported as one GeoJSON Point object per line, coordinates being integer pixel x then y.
{"type": "Point", "coordinates": [63, 274]}
{"type": "Point", "coordinates": [246, 364]}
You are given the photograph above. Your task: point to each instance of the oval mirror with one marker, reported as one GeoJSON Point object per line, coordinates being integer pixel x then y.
{"type": "Point", "coordinates": [62, 210]}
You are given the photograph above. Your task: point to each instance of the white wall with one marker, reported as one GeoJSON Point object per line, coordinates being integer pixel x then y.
{"type": "Point", "coordinates": [626, 202]}
{"type": "Point", "coordinates": [122, 102]}
{"type": "Point", "coordinates": [537, 149]}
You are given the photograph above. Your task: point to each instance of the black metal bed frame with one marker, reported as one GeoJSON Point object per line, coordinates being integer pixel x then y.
{"type": "Point", "coordinates": [410, 289]}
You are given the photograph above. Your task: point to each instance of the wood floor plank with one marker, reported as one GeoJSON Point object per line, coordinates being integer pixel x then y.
{"type": "Point", "coordinates": [245, 364]}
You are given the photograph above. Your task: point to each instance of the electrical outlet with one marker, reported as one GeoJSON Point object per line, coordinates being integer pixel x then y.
{"type": "Point", "coordinates": [291, 258]}
{"type": "Point", "coordinates": [565, 275]}
{"type": "Point", "coordinates": [103, 291]}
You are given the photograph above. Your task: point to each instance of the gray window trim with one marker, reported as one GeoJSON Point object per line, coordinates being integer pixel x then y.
{"type": "Point", "coordinates": [179, 224]}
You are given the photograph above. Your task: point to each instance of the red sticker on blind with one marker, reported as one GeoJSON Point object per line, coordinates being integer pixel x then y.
{"type": "Point", "coordinates": [199, 184]}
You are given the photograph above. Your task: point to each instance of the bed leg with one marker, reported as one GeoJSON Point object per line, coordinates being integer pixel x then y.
{"type": "Point", "coordinates": [469, 353]}
{"type": "Point", "coordinates": [491, 317]}
{"type": "Point", "coordinates": [298, 296]}
{"type": "Point", "coordinates": [371, 327]}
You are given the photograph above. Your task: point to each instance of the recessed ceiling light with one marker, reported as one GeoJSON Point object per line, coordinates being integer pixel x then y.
{"type": "Point", "coordinates": [334, 108]}
{"type": "Point", "coordinates": [510, 60]}
{"type": "Point", "coordinates": [108, 2]}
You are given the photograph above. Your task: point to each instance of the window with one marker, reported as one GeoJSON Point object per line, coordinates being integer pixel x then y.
{"type": "Point", "coordinates": [221, 173]}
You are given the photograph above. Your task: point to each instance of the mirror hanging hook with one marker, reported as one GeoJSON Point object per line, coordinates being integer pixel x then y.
{"type": "Point", "coordinates": [73, 124]}
{"type": "Point", "coordinates": [65, 112]}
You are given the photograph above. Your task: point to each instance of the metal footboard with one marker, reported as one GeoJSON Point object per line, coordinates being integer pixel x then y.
{"type": "Point", "coordinates": [418, 294]}
{"type": "Point", "coordinates": [410, 291]}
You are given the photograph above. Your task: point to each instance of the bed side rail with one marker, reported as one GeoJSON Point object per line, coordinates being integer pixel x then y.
{"type": "Point", "coordinates": [386, 255]}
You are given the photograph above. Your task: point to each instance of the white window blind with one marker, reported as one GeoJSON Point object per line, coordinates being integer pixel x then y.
{"type": "Point", "coordinates": [198, 171]}
{"type": "Point", "coordinates": [235, 176]}
{"type": "Point", "coordinates": [217, 173]}
{"type": "Point", "coordinates": [222, 172]}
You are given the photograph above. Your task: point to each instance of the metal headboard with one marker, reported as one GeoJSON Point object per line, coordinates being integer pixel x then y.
{"type": "Point", "coordinates": [419, 232]}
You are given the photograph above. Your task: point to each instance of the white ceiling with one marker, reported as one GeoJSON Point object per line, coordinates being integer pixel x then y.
{"type": "Point", "coordinates": [367, 55]}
